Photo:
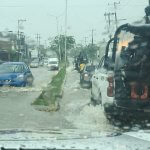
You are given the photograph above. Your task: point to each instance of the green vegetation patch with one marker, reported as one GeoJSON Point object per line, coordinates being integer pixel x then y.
{"type": "Point", "coordinates": [53, 91]}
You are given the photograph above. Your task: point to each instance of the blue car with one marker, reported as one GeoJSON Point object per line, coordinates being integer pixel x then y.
{"type": "Point", "coordinates": [15, 74]}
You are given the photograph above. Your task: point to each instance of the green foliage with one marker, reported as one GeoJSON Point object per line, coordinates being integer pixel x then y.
{"type": "Point", "coordinates": [53, 91]}
{"type": "Point", "coordinates": [91, 51]}
{"type": "Point", "coordinates": [59, 41]}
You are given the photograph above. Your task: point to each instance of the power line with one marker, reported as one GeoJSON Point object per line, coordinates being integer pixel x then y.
{"type": "Point", "coordinates": [108, 17]}
{"type": "Point", "coordinates": [38, 38]}
{"type": "Point", "coordinates": [85, 40]}
{"type": "Point", "coordinates": [115, 13]}
{"type": "Point", "coordinates": [92, 40]}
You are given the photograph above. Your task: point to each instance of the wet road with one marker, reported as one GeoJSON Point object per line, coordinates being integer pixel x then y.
{"type": "Point", "coordinates": [76, 108]}
{"type": "Point", "coordinates": [16, 110]}
{"type": "Point", "coordinates": [15, 105]}
{"type": "Point", "coordinates": [75, 112]}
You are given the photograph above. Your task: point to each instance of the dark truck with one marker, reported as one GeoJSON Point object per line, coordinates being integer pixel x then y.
{"type": "Point", "coordinates": [131, 71]}
{"type": "Point", "coordinates": [86, 75]}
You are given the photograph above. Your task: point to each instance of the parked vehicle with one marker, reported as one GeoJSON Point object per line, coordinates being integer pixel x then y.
{"type": "Point", "coordinates": [45, 62]}
{"type": "Point", "coordinates": [100, 80]}
{"type": "Point", "coordinates": [122, 82]}
{"type": "Point", "coordinates": [41, 63]}
{"type": "Point", "coordinates": [86, 75]}
{"type": "Point", "coordinates": [53, 64]}
{"type": "Point", "coordinates": [15, 74]}
{"type": "Point", "coordinates": [1, 61]}
{"type": "Point", "coordinates": [34, 64]}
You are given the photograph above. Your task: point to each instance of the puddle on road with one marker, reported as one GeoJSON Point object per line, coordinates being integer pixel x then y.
{"type": "Point", "coordinates": [90, 117]}
{"type": "Point", "coordinates": [38, 85]}
{"type": "Point", "coordinates": [34, 88]}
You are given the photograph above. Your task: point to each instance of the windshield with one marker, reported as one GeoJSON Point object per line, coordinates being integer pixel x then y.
{"type": "Point", "coordinates": [11, 68]}
{"type": "Point", "coordinates": [81, 67]}
{"type": "Point", "coordinates": [90, 68]}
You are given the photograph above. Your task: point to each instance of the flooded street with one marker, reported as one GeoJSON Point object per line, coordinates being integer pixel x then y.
{"type": "Point", "coordinates": [75, 112]}
{"type": "Point", "coordinates": [76, 106]}
{"type": "Point", "coordinates": [16, 110]}
{"type": "Point", "coordinates": [41, 78]}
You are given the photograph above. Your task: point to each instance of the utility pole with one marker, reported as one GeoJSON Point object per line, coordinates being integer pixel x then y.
{"type": "Point", "coordinates": [115, 13]}
{"type": "Point", "coordinates": [108, 17]}
{"type": "Point", "coordinates": [38, 38]}
{"type": "Point", "coordinates": [115, 7]}
{"type": "Point", "coordinates": [19, 42]}
{"type": "Point", "coordinates": [58, 34]}
{"type": "Point", "coordinates": [85, 41]}
{"type": "Point", "coordinates": [93, 36]}
{"type": "Point", "coordinates": [66, 15]}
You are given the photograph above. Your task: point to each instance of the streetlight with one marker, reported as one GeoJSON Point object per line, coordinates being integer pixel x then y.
{"type": "Point", "coordinates": [66, 15]}
{"type": "Point", "coordinates": [58, 34]}
{"type": "Point", "coordinates": [57, 21]}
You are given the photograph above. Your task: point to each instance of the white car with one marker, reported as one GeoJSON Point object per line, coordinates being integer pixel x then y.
{"type": "Point", "coordinates": [102, 85]}
{"type": "Point", "coordinates": [53, 64]}
{"type": "Point", "coordinates": [102, 82]}
{"type": "Point", "coordinates": [45, 62]}
{"type": "Point", "coordinates": [34, 64]}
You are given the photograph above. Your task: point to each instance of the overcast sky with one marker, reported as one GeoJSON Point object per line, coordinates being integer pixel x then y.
{"type": "Point", "coordinates": [83, 16]}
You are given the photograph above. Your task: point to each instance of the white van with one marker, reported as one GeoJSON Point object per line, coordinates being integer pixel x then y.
{"type": "Point", "coordinates": [53, 64]}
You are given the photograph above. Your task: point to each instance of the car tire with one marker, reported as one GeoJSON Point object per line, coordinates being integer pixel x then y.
{"type": "Point", "coordinates": [80, 79]}
{"type": "Point", "coordinates": [96, 102]}
{"type": "Point", "coordinates": [99, 101]}
{"type": "Point", "coordinates": [29, 81]}
{"type": "Point", "coordinates": [93, 102]}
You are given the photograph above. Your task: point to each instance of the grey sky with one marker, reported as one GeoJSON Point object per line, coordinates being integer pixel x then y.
{"type": "Point", "coordinates": [83, 15]}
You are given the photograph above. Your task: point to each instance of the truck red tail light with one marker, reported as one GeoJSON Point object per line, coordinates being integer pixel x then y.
{"type": "Point", "coordinates": [133, 92]}
{"type": "Point", "coordinates": [110, 88]}
{"type": "Point", "coordinates": [145, 94]}
{"type": "Point", "coordinates": [136, 94]}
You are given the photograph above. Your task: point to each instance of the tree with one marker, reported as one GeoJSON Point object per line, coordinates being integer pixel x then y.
{"type": "Point", "coordinates": [91, 51]}
{"type": "Point", "coordinates": [58, 45]}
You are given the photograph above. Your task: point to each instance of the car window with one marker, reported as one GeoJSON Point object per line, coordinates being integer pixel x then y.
{"type": "Point", "coordinates": [19, 68]}
{"type": "Point", "coordinates": [90, 68]}
{"type": "Point", "coordinates": [26, 67]}
{"type": "Point", "coordinates": [11, 68]}
{"type": "Point", "coordinates": [101, 63]}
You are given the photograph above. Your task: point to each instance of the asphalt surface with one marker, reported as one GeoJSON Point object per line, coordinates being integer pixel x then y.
{"type": "Point", "coordinates": [76, 113]}
{"type": "Point", "coordinates": [16, 110]}
{"type": "Point", "coordinates": [76, 107]}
